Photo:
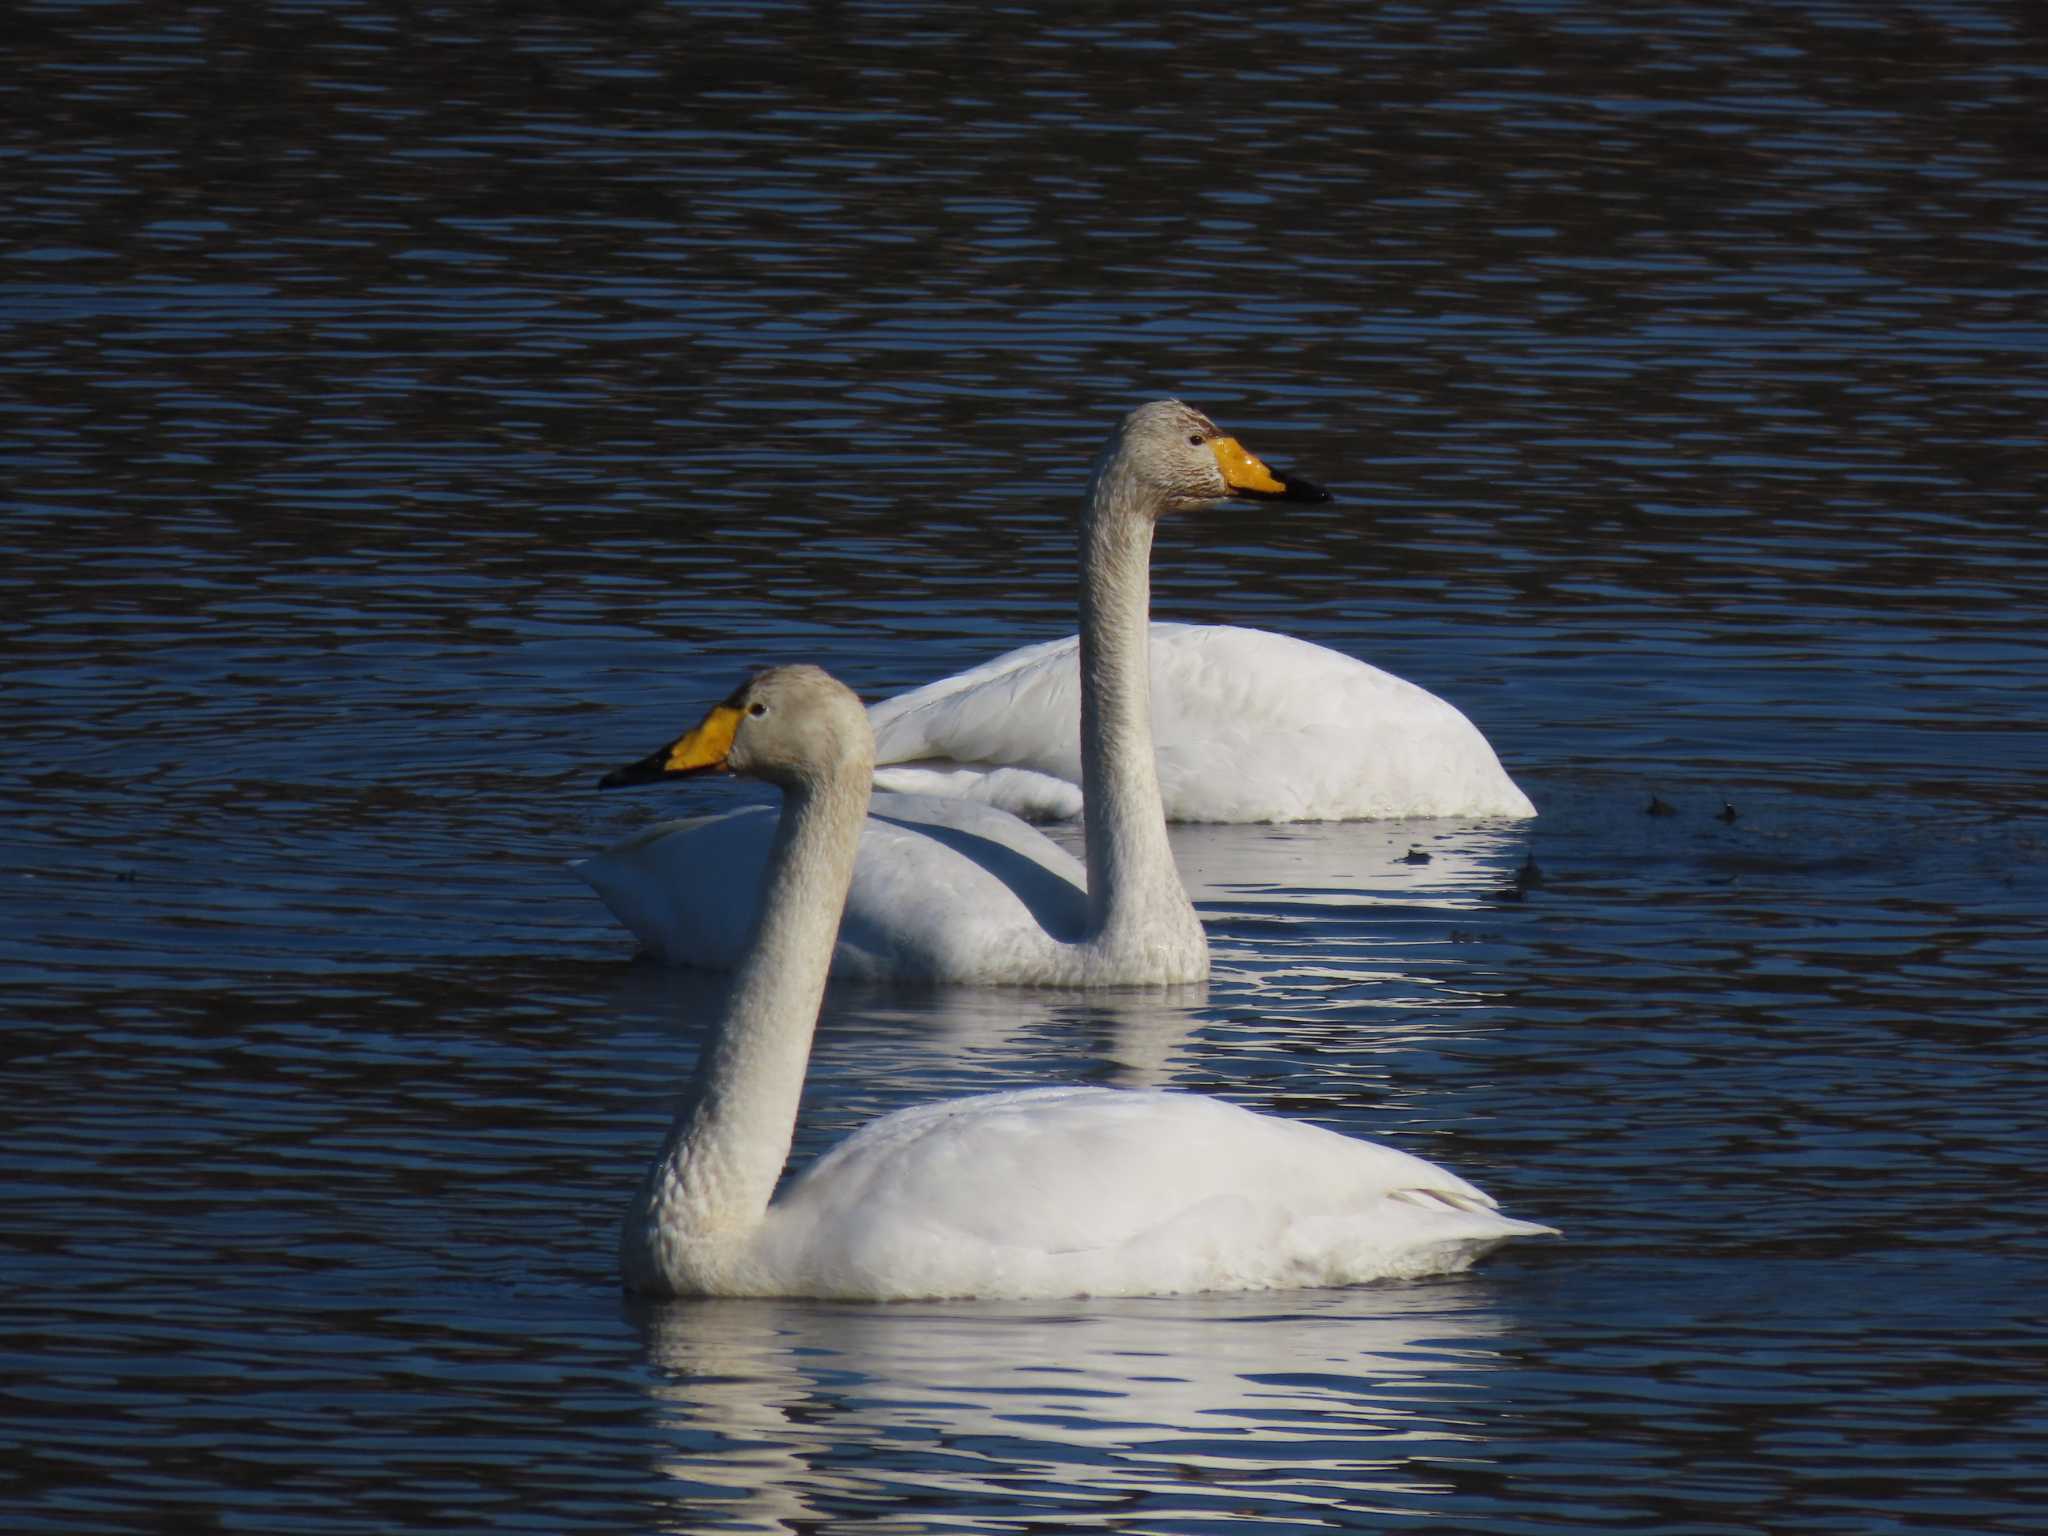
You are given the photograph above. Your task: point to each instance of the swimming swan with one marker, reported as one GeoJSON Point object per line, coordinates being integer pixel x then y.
{"type": "Point", "coordinates": [1247, 726]}
{"type": "Point", "coordinates": [1042, 1192]}
{"type": "Point", "coordinates": [954, 890]}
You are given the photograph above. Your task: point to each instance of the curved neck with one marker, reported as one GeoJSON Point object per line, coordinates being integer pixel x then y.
{"type": "Point", "coordinates": [1131, 875]}
{"type": "Point", "coordinates": [726, 1150]}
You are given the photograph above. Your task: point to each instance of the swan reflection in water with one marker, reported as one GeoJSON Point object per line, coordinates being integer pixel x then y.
{"type": "Point", "coordinates": [1362, 919]}
{"type": "Point", "coordinates": [880, 1046]}
{"type": "Point", "coordinates": [787, 1413]}
{"type": "Point", "coordinates": [1345, 864]}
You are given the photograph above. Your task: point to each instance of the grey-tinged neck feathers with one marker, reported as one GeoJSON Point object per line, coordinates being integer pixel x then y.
{"type": "Point", "coordinates": [707, 1192]}
{"type": "Point", "coordinates": [1136, 900]}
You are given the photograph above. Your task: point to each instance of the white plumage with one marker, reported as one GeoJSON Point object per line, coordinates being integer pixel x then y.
{"type": "Point", "coordinates": [1111, 1192]}
{"type": "Point", "coordinates": [1247, 726]}
{"type": "Point", "coordinates": [943, 890]}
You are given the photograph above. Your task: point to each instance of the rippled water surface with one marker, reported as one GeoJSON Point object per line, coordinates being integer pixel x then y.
{"type": "Point", "coordinates": [407, 414]}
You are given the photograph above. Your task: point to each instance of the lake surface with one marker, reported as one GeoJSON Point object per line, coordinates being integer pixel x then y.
{"type": "Point", "coordinates": [408, 415]}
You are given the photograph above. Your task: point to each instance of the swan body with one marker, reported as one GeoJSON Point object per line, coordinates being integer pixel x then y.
{"type": "Point", "coordinates": [973, 894]}
{"type": "Point", "coordinates": [1247, 726]}
{"type": "Point", "coordinates": [1105, 1192]}
{"type": "Point", "coordinates": [943, 890]}
{"type": "Point", "coordinates": [1039, 1193]}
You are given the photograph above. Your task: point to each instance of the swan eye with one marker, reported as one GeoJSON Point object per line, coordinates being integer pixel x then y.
{"type": "Point", "coordinates": [1196, 439]}
{"type": "Point", "coordinates": [757, 709]}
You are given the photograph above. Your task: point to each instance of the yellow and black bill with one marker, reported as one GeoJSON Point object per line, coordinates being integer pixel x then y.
{"type": "Point", "coordinates": [1247, 475]}
{"type": "Point", "coordinates": [702, 750]}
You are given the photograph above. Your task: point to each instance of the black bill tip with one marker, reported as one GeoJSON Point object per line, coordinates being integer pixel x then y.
{"type": "Point", "coordinates": [1292, 488]}
{"type": "Point", "coordinates": [1299, 489]}
{"type": "Point", "coordinates": [651, 767]}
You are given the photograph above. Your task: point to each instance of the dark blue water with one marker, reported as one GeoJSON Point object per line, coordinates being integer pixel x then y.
{"type": "Point", "coordinates": [408, 414]}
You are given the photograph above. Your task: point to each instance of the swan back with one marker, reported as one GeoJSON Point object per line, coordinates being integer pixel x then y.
{"type": "Point", "coordinates": [1102, 1191]}
{"type": "Point", "coordinates": [1248, 725]}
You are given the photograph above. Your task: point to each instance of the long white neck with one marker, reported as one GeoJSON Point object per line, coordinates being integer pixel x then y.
{"type": "Point", "coordinates": [708, 1191]}
{"type": "Point", "coordinates": [1133, 887]}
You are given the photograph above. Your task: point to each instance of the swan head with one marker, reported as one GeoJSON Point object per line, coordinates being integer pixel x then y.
{"type": "Point", "coordinates": [791, 726]}
{"type": "Point", "coordinates": [1183, 460]}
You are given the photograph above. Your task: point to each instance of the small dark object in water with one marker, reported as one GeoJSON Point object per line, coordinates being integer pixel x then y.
{"type": "Point", "coordinates": [1528, 878]}
{"type": "Point", "coordinates": [1415, 856]}
{"type": "Point", "coordinates": [1726, 814]}
{"type": "Point", "coordinates": [1657, 807]}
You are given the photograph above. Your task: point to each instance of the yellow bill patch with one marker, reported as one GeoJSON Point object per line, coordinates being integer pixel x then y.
{"type": "Point", "coordinates": [1242, 470]}
{"type": "Point", "coordinates": [707, 745]}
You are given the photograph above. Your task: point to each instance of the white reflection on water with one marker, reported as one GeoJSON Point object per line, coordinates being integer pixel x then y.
{"type": "Point", "coordinates": [785, 1413]}
{"type": "Point", "coordinates": [1315, 865]}
{"type": "Point", "coordinates": [1368, 917]}
{"type": "Point", "coordinates": [909, 1043]}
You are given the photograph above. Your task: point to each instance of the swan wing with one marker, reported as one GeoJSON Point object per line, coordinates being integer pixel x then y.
{"type": "Point", "coordinates": [942, 890]}
{"type": "Point", "coordinates": [1022, 710]}
{"type": "Point", "coordinates": [1248, 726]}
{"type": "Point", "coordinates": [1072, 1191]}
{"type": "Point", "coordinates": [1023, 792]}
{"type": "Point", "coordinates": [1257, 726]}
